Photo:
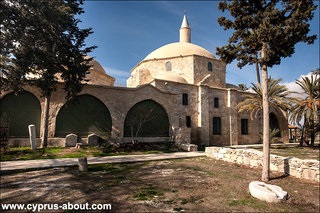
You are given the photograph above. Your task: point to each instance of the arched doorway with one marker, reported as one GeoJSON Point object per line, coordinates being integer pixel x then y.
{"type": "Point", "coordinates": [22, 110]}
{"type": "Point", "coordinates": [274, 124]}
{"type": "Point", "coordinates": [83, 115]}
{"type": "Point", "coordinates": [146, 119]}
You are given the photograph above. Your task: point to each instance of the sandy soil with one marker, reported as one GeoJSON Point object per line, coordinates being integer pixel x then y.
{"type": "Point", "coordinates": [185, 185]}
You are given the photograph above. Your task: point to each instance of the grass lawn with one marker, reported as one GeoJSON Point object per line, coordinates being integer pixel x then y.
{"type": "Point", "coordinates": [296, 151]}
{"type": "Point", "coordinates": [185, 185]}
{"type": "Point", "coordinates": [25, 153]}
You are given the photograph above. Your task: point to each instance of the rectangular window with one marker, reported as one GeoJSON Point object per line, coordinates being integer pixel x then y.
{"type": "Point", "coordinates": [216, 102]}
{"type": "Point", "coordinates": [188, 121]}
{"type": "Point", "coordinates": [184, 99]}
{"type": "Point", "coordinates": [216, 125]}
{"type": "Point", "coordinates": [244, 126]}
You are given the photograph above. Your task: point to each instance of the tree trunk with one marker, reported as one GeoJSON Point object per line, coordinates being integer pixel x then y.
{"type": "Point", "coordinates": [44, 139]}
{"type": "Point", "coordinates": [302, 136]}
{"type": "Point", "coordinates": [257, 71]}
{"type": "Point", "coordinates": [312, 133]}
{"type": "Point", "coordinates": [266, 126]}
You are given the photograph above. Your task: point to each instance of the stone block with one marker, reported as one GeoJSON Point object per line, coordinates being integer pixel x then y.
{"type": "Point", "coordinates": [223, 150]}
{"type": "Point", "coordinates": [83, 164]}
{"type": "Point", "coordinates": [294, 173]}
{"type": "Point", "coordinates": [309, 174]}
{"type": "Point", "coordinates": [246, 161]}
{"type": "Point", "coordinates": [192, 148]}
{"type": "Point", "coordinates": [255, 157]}
{"type": "Point", "coordinates": [93, 140]}
{"type": "Point", "coordinates": [78, 145]}
{"type": "Point", "coordinates": [254, 163]}
{"type": "Point", "coordinates": [281, 168]}
{"type": "Point", "coordinates": [188, 147]}
{"type": "Point", "coordinates": [239, 160]}
{"type": "Point", "coordinates": [71, 140]}
{"type": "Point", "coordinates": [273, 167]}
{"type": "Point", "coordinates": [219, 156]}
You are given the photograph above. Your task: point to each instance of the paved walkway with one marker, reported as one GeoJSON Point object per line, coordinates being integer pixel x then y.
{"type": "Point", "coordinates": [47, 163]}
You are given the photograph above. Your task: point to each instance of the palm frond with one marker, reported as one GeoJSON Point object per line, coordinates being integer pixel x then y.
{"type": "Point", "coordinates": [279, 97]}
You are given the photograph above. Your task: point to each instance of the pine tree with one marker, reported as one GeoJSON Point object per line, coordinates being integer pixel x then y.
{"type": "Point", "coordinates": [269, 29]}
{"type": "Point", "coordinates": [41, 44]}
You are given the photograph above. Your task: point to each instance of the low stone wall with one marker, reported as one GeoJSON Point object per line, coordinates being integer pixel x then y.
{"type": "Point", "coordinates": [305, 169]}
{"type": "Point", "coordinates": [146, 139]}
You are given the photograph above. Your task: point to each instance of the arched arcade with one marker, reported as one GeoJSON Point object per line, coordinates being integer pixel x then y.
{"type": "Point", "coordinates": [83, 115]}
{"type": "Point", "coordinates": [22, 109]}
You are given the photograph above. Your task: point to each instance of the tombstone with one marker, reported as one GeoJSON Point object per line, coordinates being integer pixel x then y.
{"type": "Point", "coordinates": [71, 140]}
{"type": "Point", "coordinates": [83, 164]}
{"type": "Point", "coordinates": [93, 139]}
{"type": "Point", "coordinates": [188, 147]}
{"type": "Point", "coordinates": [192, 148]}
{"type": "Point", "coordinates": [32, 136]}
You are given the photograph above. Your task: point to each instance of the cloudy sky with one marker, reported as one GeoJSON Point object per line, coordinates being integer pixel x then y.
{"type": "Point", "coordinates": [127, 31]}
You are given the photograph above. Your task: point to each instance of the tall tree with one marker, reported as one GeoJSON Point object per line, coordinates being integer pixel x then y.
{"type": "Point", "coordinates": [271, 28]}
{"type": "Point", "coordinates": [41, 44]}
{"type": "Point", "coordinates": [307, 108]}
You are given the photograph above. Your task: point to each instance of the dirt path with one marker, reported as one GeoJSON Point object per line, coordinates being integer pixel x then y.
{"type": "Point", "coordinates": [191, 185]}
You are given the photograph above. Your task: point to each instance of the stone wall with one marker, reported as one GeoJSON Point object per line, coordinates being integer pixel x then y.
{"type": "Point", "coordinates": [200, 108]}
{"type": "Point", "coordinates": [180, 65]}
{"type": "Point", "coordinates": [305, 169]}
{"type": "Point", "coordinates": [214, 78]}
{"type": "Point", "coordinates": [193, 68]}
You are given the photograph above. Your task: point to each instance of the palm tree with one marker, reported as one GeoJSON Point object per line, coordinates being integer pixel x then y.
{"type": "Point", "coordinates": [278, 98]}
{"type": "Point", "coordinates": [243, 87]}
{"type": "Point", "coordinates": [307, 108]}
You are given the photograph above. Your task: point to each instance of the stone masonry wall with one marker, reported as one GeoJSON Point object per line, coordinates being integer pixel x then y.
{"type": "Point", "coordinates": [305, 169]}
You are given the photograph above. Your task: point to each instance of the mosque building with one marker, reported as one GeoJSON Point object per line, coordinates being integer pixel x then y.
{"type": "Point", "coordinates": [176, 93]}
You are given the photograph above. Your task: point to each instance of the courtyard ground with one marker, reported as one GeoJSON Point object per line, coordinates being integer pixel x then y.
{"type": "Point", "coordinates": [192, 185]}
{"type": "Point", "coordinates": [303, 152]}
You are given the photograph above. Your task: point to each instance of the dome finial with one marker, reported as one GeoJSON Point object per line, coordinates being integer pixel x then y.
{"type": "Point", "coordinates": [185, 30]}
{"type": "Point", "coordinates": [185, 22]}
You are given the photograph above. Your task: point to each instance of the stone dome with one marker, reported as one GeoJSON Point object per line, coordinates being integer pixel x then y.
{"type": "Point", "coordinates": [171, 77]}
{"type": "Point", "coordinates": [95, 66]}
{"type": "Point", "coordinates": [178, 49]}
{"type": "Point", "coordinates": [97, 75]}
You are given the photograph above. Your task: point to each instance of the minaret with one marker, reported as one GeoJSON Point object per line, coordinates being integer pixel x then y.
{"type": "Point", "coordinates": [185, 30]}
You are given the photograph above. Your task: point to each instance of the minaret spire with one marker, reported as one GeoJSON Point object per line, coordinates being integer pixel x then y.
{"type": "Point", "coordinates": [185, 30]}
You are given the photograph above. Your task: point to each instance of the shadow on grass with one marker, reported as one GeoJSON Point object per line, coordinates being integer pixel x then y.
{"type": "Point", "coordinates": [280, 177]}
{"type": "Point", "coordinates": [25, 153]}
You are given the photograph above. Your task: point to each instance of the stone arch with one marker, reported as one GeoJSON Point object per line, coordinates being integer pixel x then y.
{"type": "Point", "coordinates": [22, 109]}
{"type": "Point", "coordinates": [146, 119]}
{"type": "Point", "coordinates": [83, 115]}
{"type": "Point", "coordinates": [274, 124]}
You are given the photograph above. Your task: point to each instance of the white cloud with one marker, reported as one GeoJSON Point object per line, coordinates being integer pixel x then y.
{"type": "Point", "coordinates": [117, 73]}
{"type": "Point", "coordinates": [121, 76]}
{"type": "Point", "coordinates": [294, 87]}
{"type": "Point", "coordinates": [170, 7]}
